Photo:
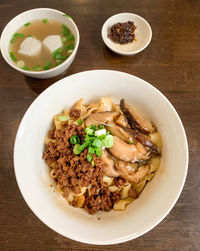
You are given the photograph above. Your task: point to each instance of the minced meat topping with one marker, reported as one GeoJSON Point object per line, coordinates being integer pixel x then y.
{"type": "Point", "coordinates": [74, 171]}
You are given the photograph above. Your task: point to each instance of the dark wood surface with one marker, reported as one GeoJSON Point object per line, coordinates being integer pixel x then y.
{"type": "Point", "coordinates": [171, 63]}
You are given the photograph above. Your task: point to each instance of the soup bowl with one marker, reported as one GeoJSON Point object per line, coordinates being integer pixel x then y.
{"type": "Point", "coordinates": [38, 189]}
{"type": "Point", "coordinates": [32, 15]}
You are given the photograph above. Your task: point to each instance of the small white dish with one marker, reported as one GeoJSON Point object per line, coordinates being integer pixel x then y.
{"type": "Point", "coordinates": [158, 197]}
{"type": "Point", "coordinates": [32, 15]}
{"type": "Point", "coordinates": [143, 34]}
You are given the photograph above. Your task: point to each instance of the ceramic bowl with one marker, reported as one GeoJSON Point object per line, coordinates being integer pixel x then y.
{"type": "Point", "coordinates": [29, 16]}
{"type": "Point", "coordinates": [158, 197]}
{"type": "Point", "coordinates": [143, 34]}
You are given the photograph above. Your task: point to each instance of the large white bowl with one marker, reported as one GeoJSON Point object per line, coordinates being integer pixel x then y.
{"type": "Point", "coordinates": [29, 16]}
{"type": "Point", "coordinates": [158, 197]}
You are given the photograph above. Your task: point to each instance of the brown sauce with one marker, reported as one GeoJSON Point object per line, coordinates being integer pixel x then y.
{"type": "Point", "coordinates": [122, 33]}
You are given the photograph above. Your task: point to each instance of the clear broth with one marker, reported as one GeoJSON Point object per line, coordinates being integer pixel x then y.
{"type": "Point", "coordinates": [38, 29]}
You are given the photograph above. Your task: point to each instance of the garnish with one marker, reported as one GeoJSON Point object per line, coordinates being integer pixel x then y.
{"type": "Point", "coordinates": [89, 131]}
{"type": "Point", "coordinates": [62, 118]}
{"type": "Point", "coordinates": [98, 152]}
{"type": "Point", "coordinates": [12, 56]}
{"type": "Point", "coordinates": [36, 68]}
{"type": "Point", "coordinates": [58, 56]}
{"type": "Point", "coordinates": [76, 149]}
{"type": "Point", "coordinates": [89, 157]}
{"type": "Point", "coordinates": [80, 122]}
{"type": "Point", "coordinates": [108, 141]}
{"type": "Point", "coordinates": [69, 47]}
{"type": "Point", "coordinates": [70, 37]}
{"type": "Point", "coordinates": [25, 68]}
{"type": "Point", "coordinates": [96, 139]}
{"type": "Point", "coordinates": [131, 142]}
{"type": "Point", "coordinates": [65, 15]}
{"type": "Point", "coordinates": [64, 39]}
{"type": "Point", "coordinates": [100, 132]}
{"type": "Point", "coordinates": [29, 36]}
{"type": "Point", "coordinates": [74, 140]}
{"type": "Point", "coordinates": [91, 149]}
{"type": "Point", "coordinates": [27, 24]}
{"type": "Point", "coordinates": [44, 20]}
{"type": "Point", "coordinates": [47, 65]}
{"type": "Point", "coordinates": [15, 36]}
{"type": "Point", "coordinates": [20, 63]}
{"type": "Point", "coordinates": [65, 31]}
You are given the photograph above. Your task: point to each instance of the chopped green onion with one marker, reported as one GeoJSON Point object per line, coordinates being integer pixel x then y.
{"type": "Point", "coordinates": [69, 47]}
{"type": "Point", "coordinates": [91, 149]}
{"type": "Point", "coordinates": [100, 132]}
{"type": "Point", "coordinates": [64, 39]}
{"type": "Point", "coordinates": [65, 15]}
{"type": "Point", "coordinates": [89, 138]}
{"type": "Point", "coordinates": [71, 37]}
{"type": "Point", "coordinates": [100, 126]}
{"type": "Point", "coordinates": [57, 63]}
{"type": "Point", "coordinates": [131, 142]}
{"type": "Point", "coordinates": [44, 20]}
{"type": "Point", "coordinates": [98, 152]}
{"type": "Point", "coordinates": [65, 32]}
{"type": "Point", "coordinates": [108, 141]}
{"type": "Point", "coordinates": [25, 68]}
{"type": "Point", "coordinates": [64, 26]}
{"type": "Point", "coordinates": [59, 50]}
{"type": "Point", "coordinates": [12, 56]}
{"type": "Point", "coordinates": [102, 137]}
{"type": "Point", "coordinates": [36, 68]}
{"type": "Point", "coordinates": [89, 131]}
{"type": "Point", "coordinates": [27, 24]}
{"type": "Point", "coordinates": [46, 67]}
{"type": "Point", "coordinates": [80, 122]}
{"type": "Point", "coordinates": [62, 118]}
{"type": "Point", "coordinates": [92, 163]}
{"type": "Point", "coordinates": [63, 57]}
{"type": "Point", "coordinates": [74, 140]}
{"type": "Point", "coordinates": [48, 62]}
{"type": "Point", "coordinates": [97, 143]}
{"type": "Point", "coordinates": [15, 36]}
{"type": "Point", "coordinates": [29, 36]}
{"type": "Point", "coordinates": [89, 157]}
{"type": "Point", "coordinates": [20, 63]}
{"type": "Point", "coordinates": [83, 146]}
{"type": "Point", "coordinates": [58, 56]}
{"type": "Point", "coordinates": [76, 149]}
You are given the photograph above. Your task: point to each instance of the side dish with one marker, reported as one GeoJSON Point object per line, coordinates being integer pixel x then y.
{"type": "Point", "coordinates": [41, 45]}
{"type": "Point", "coordinates": [102, 155]}
{"type": "Point", "coordinates": [122, 33]}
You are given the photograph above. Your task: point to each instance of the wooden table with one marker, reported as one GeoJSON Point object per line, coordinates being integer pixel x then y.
{"type": "Point", "coordinates": [171, 63]}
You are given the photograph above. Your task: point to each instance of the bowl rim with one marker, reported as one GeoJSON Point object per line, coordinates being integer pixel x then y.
{"type": "Point", "coordinates": [37, 73]}
{"type": "Point", "coordinates": [127, 237]}
{"type": "Point", "coordinates": [126, 53]}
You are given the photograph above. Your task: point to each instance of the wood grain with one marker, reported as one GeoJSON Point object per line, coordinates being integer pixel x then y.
{"type": "Point", "coordinates": [171, 63]}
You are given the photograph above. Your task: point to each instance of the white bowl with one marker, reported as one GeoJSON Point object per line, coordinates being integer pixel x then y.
{"type": "Point", "coordinates": [158, 197]}
{"type": "Point", "coordinates": [32, 15]}
{"type": "Point", "coordinates": [143, 34]}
